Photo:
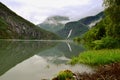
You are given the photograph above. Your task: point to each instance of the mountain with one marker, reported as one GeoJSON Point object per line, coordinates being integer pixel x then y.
{"type": "Point", "coordinates": [79, 27]}
{"type": "Point", "coordinates": [54, 23]}
{"type": "Point", "coordinates": [92, 19]}
{"type": "Point", "coordinates": [12, 26]}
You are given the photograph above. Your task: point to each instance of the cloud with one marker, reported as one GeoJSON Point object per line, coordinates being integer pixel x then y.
{"type": "Point", "coordinates": [37, 11]}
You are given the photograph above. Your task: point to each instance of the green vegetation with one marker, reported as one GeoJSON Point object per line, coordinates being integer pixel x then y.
{"type": "Point", "coordinates": [99, 37]}
{"type": "Point", "coordinates": [12, 26]}
{"type": "Point", "coordinates": [98, 57]}
{"type": "Point", "coordinates": [64, 75]}
{"type": "Point", "coordinates": [106, 33]}
{"type": "Point", "coordinates": [4, 30]}
{"type": "Point", "coordinates": [77, 28]}
{"type": "Point", "coordinates": [77, 39]}
{"type": "Point", "coordinates": [113, 12]}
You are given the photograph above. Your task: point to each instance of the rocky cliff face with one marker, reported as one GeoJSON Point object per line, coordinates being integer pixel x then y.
{"type": "Point", "coordinates": [13, 26]}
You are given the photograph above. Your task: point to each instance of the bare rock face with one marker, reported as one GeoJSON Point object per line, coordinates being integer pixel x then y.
{"type": "Point", "coordinates": [15, 27]}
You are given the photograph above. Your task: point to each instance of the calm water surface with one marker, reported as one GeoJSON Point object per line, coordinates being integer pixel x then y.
{"type": "Point", "coordinates": [37, 60]}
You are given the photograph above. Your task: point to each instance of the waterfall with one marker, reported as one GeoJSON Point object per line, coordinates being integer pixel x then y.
{"type": "Point", "coordinates": [69, 33]}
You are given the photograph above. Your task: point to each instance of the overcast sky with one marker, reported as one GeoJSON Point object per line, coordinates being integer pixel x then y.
{"type": "Point", "coordinates": [37, 11]}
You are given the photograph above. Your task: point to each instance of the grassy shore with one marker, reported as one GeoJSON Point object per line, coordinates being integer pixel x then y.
{"type": "Point", "coordinates": [108, 61]}
{"type": "Point", "coordinates": [97, 57]}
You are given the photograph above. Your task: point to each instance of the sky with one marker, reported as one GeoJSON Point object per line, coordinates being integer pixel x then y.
{"type": "Point", "coordinates": [37, 11]}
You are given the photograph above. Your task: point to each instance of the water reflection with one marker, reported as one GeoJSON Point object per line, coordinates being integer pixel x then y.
{"type": "Point", "coordinates": [36, 60]}
{"type": "Point", "coordinates": [14, 52]}
{"type": "Point", "coordinates": [61, 53]}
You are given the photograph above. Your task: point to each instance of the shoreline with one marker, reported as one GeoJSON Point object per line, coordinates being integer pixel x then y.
{"type": "Point", "coordinates": [103, 72]}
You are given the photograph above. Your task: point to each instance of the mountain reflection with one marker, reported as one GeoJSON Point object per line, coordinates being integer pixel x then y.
{"type": "Point", "coordinates": [61, 53]}
{"type": "Point", "coordinates": [14, 52]}
{"type": "Point", "coordinates": [54, 52]}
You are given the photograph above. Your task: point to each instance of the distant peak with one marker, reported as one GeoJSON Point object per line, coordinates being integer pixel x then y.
{"type": "Point", "coordinates": [56, 19]}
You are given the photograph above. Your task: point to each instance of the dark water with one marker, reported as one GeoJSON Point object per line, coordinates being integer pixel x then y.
{"type": "Point", "coordinates": [36, 60]}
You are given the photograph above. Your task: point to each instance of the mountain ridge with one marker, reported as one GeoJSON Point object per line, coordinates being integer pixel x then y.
{"type": "Point", "coordinates": [80, 27]}
{"type": "Point", "coordinates": [89, 19]}
{"type": "Point", "coordinates": [13, 26]}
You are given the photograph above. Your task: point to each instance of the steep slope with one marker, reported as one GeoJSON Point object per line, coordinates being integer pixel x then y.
{"type": "Point", "coordinates": [77, 29]}
{"type": "Point", "coordinates": [92, 20]}
{"type": "Point", "coordinates": [53, 23]}
{"type": "Point", "coordinates": [13, 26]}
{"type": "Point", "coordinates": [80, 27]}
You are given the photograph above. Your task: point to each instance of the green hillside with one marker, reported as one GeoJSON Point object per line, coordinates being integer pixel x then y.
{"type": "Point", "coordinates": [90, 19]}
{"type": "Point", "coordinates": [79, 27]}
{"type": "Point", "coordinates": [12, 26]}
{"type": "Point", "coordinates": [105, 34]}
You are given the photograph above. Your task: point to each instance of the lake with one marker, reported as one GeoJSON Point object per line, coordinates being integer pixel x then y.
{"type": "Point", "coordinates": [37, 59]}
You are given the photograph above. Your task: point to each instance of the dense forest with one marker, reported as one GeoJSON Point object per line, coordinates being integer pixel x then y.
{"type": "Point", "coordinates": [106, 33]}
